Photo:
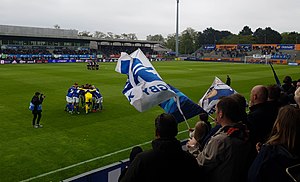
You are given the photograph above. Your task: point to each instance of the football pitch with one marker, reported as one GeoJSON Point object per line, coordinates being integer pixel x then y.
{"type": "Point", "coordinates": [69, 145]}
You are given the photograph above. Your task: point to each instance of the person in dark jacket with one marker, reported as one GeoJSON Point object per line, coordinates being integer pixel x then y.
{"type": "Point", "coordinates": [166, 161]}
{"type": "Point", "coordinates": [228, 80]}
{"type": "Point", "coordinates": [288, 86]}
{"type": "Point", "coordinates": [261, 116]}
{"type": "Point", "coordinates": [36, 103]}
{"type": "Point", "coordinates": [134, 151]}
{"type": "Point", "coordinates": [282, 149]}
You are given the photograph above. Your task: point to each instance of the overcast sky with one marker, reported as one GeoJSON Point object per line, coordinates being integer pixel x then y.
{"type": "Point", "coordinates": [150, 17]}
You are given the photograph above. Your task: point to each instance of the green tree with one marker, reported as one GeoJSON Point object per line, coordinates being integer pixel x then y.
{"type": "Point", "coordinates": [209, 36]}
{"type": "Point", "coordinates": [267, 36]}
{"type": "Point", "coordinates": [290, 38]}
{"type": "Point", "coordinates": [98, 34]}
{"type": "Point", "coordinates": [238, 39]}
{"type": "Point", "coordinates": [170, 41]}
{"type": "Point", "coordinates": [157, 37]}
{"type": "Point", "coordinates": [56, 26]}
{"type": "Point", "coordinates": [130, 36]}
{"type": "Point", "coordinates": [85, 34]}
{"type": "Point", "coordinates": [199, 39]}
{"type": "Point", "coordinates": [273, 37]}
{"type": "Point", "coordinates": [124, 36]}
{"type": "Point", "coordinates": [110, 35]}
{"type": "Point", "coordinates": [246, 31]}
{"type": "Point", "coordinates": [187, 41]}
{"type": "Point", "coordinates": [222, 34]}
{"type": "Point", "coordinates": [212, 36]}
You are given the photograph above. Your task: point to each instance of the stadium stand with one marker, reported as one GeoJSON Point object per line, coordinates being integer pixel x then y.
{"type": "Point", "coordinates": [250, 53]}
{"type": "Point", "coordinates": [30, 45]}
{"type": "Point", "coordinates": [19, 43]}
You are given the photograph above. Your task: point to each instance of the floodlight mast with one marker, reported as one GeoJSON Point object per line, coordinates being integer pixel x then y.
{"type": "Point", "coordinates": [177, 13]}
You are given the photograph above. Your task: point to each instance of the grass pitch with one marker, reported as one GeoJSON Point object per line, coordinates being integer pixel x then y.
{"type": "Point", "coordinates": [67, 139]}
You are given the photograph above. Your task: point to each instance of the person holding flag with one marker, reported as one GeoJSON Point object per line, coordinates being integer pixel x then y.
{"type": "Point", "coordinates": [215, 159]}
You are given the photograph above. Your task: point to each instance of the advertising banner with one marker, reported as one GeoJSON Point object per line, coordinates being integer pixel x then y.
{"type": "Point", "coordinates": [286, 46]}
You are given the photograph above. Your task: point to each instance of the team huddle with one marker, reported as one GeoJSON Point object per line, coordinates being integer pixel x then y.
{"type": "Point", "coordinates": [87, 95]}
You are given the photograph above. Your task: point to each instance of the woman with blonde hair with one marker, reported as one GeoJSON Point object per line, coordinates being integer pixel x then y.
{"type": "Point", "coordinates": [281, 150]}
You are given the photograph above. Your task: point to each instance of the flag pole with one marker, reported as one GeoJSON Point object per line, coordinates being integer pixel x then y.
{"type": "Point", "coordinates": [179, 108]}
{"type": "Point", "coordinates": [177, 14]}
{"type": "Point", "coordinates": [275, 75]}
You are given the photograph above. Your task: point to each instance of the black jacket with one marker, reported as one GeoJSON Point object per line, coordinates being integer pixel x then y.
{"type": "Point", "coordinates": [165, 162]}
{"type": "Point", "coordinates": [271, 163]}
{"type": "Point", "coordinates": [37, 101]}
{"type": "Point", "coordinates": [260, 121]}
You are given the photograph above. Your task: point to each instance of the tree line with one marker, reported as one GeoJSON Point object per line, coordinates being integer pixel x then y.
{"type": "Point", "coordinates": [190, 40]}
{"type": "Point", "coordinates": [108, 35]}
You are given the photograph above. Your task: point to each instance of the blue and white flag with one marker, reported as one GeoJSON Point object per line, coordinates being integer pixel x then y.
{"type": "Point", "coordinates": [144, 87]}
{"type": "Point", "coordinates": [211, 97]}
{"type": "Point", "coordinates": [181, 107]}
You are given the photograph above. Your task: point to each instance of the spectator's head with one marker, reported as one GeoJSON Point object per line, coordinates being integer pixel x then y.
{"type": "Point", "coordinates": [286, 129]}
{"type": "Point", "coordinates": [134, 151]}
{"type": "Point", "coordinates": [240, 99]}
{"type": "Point", "coordinates": [259, 94]}
{"type": "Point", "coordinates": [294, 83]}
{"type": "Point", "coordinates": [297, 96]}
{"type": "Point", "coordinates": [201, 129]}
{"type": "Point", "coordinates": [273, 92]}
{"type": "Point", "coordinates": [287, 80]}
{"type": "Point", "coordinates": [203, 117]}
{"type": "Point", "coordinates": [228, 111]}
{"type": "Point", "coordinates": [242, 104]}
{"type": "Point", "coordinates": [165, 126]}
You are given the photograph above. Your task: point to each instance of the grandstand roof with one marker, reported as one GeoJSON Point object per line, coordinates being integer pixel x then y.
{"type": "Point", "coordinates": [37, 32]}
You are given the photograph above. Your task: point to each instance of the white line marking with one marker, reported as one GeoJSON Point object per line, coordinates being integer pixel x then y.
{"type": "Point", "coordinates": [90, 160]}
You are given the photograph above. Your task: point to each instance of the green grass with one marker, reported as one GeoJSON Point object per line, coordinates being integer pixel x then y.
{"type": "Point", "coordinates": [70, 139]}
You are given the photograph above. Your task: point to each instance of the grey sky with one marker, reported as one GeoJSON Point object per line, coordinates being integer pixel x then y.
{"type": "Point", "coordinates": [152, 16]}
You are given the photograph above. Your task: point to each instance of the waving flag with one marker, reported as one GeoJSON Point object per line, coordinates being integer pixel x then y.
{"type": "Point", "coordinates": [144, 87]}
{"type": "Point", "coordinates": [181, 107]}
{"type": "Point", "coordinates": [211, 97]}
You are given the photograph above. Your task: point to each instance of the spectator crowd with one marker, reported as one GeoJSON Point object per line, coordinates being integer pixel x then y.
{"type": "Point", "coordinates": [255, 146]}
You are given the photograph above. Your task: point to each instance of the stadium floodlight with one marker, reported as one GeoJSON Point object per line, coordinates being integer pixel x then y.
{"type": "Point", "coordinates": [177, 13]}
